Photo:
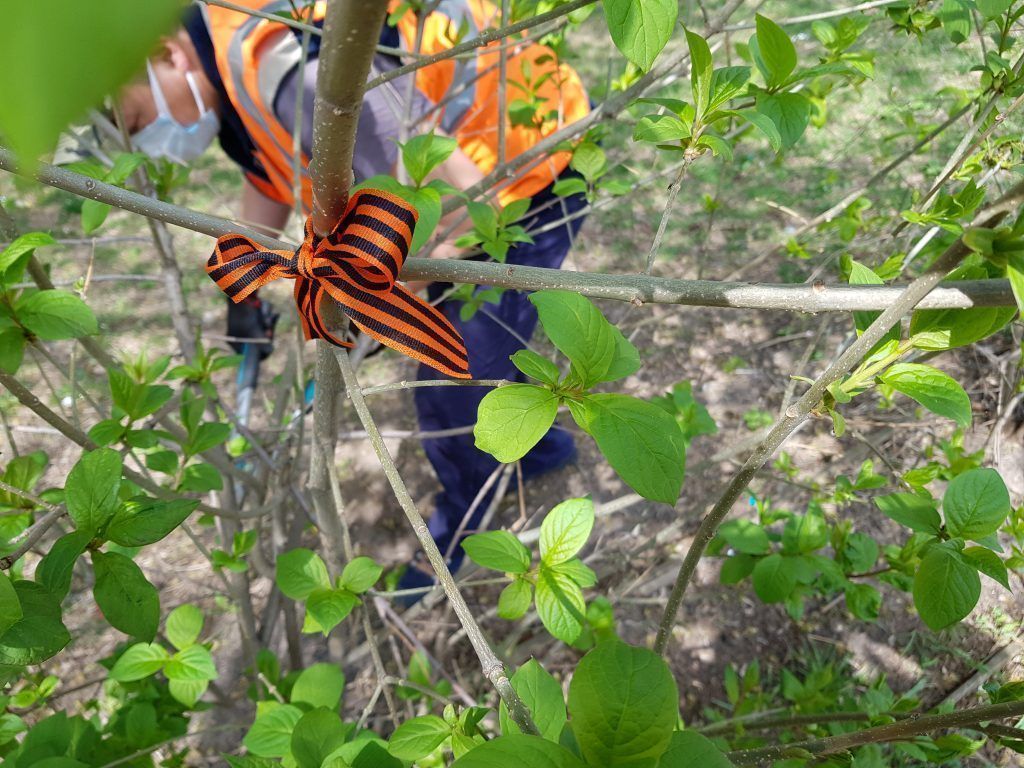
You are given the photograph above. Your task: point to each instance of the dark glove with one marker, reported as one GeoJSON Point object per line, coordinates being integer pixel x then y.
{"type": "Point", "coordinates": [253, 318]}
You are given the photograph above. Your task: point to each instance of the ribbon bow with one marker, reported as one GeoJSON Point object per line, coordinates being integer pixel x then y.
{"type": "Point", "coordinates": [358, 266]}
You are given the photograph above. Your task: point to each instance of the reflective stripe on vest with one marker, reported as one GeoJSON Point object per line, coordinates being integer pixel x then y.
{"type": "Point", "coordinates": [253, 57]}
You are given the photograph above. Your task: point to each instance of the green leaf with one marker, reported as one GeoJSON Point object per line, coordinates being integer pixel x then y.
{"type": "Point", "coordinates": [10, 606]}
{"type": "Point", "coordinates": [989, 563]}
{"type": "Point", "coordinates": [567, 187]}
{"type": "Point", "coordinates": [109, 431]}
{"type": "Point", "coordinates": [499, 550]}
{"type": "Point", "coordinates": [936, 330]}
{"type": "Point", "coordinates": [774, 578]}
{"type": "Point", "coordinates": [127, 600]}
{"type": "Point", "coordinates": [746, 536]}
{"type": "Point", "coordinates": [299, 572]}
{"type": "Point", "coordinates": [860, 551]}
{"type": "Point", "coordinates": [701, 71]}
{"type": "Point", "coordinates": [317, 734]}
{"type": "Point", "coordinates": [689, 749]}
{"type": "Point", "coordinates": [736, 568]}
{"type": "Point", "coordinates": [580, 332]}
{"type": "Point", "coordinates": [360, 574]}
{"type": "Point", "coordinates": [14, 257]}
{"type": "Point", "coordinates": [641, 28]}
{"type": "Point", "coordinates": [183, 626]}
{"type": "Point", "coordinates": [717, 145]}
{"type": "Point", "coordinates": [916, 512]}
{"type": "Point", "coordinates": [764, 124]}
{"type": "Point", "coordinates": [519, 751]}
{"type": "Point", "coordinates": [512, 419]}
{"type": "Point", "coordinates": [271, 733]}
{"type": "Point", "coordinates": [863, 275]}
{"type": "Point", "coordinates": [319, 685]}
{"type": "Point", "coordinates": [192, 663]}
{"type": "Point", "coordinates": [589, 160]}
{"type": "Point", "coordinates": [94, 213]}
{"type": "Point", "coordinates": [863, 601]}
{"type": "Point", "coordinates": [990, 9]}
{"type": "Point", "coordinates": [791, 112]}
{"type": "Point", "coordinates": [661, 129]}
{"type": "Point", "coordinates": [641, 441]}
{"type": "Point", "coordinates": [201, 477]}
{"type": "Point", "coordinates": [775, 54]}
{"type": "Point", "coordinates": [578, 571]}
{"type": "Point", "coordinates": [12, 349]}
{"type": "Point", "coordinates": [187, 692]}
{"type": "Point", "coordinates": [208, 435]}
{"type": "Point", "coordinates": [542, 695]}
{"type": "Point", "coordinates": [955, 16]}
{"type": "Point", "coordinates": [626, 361]}
{"type": "Point", "coordinates": [39, 633]}
{"type": "Point", "coordinates": [23, 472]}
{"type": "Point", "coordinates": [327, 608]}
{"type": "Point", "coordinates": [932, 388]}
{"type": "Point", "coordinates": [484, 218]}
{"type": "Point", "coordinates": [142, 520]}
{"type": "Point", "coordinates": [418, 737]}
{"type": "Point", "coordinates": [54, 315]}
{"type": "Point", "coordinates": [139, 661]}
{"type": "Point", "coordinates": [560, 605]}
{"type": "Point", "coordinates": [423, 153]}
{"type": "Point", "coordinates": [624, 705]}
{"type": "Point", "coordinates": [946, 587]}
{"type": "Point", "coordinates": [125, 164]}
{"type": "Point", "coordinates": [976, 503]}
{"type": "Point", "coordinates": [55, 569]}
{"type": "Point", "coordinates": [565, 530]}
{"type": "Point", "coordinates": [726, 84]}
{"type": "Point", "coordinates": [45, 84]}
{"type": "Point", "coordinates": [514, 600]}
{"type": "Point", "coordinates": [91, 489]}
{"type": "Point", "coordinates": [536, 366]}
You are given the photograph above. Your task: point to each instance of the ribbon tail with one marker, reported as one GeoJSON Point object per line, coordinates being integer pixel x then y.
{"type": "Point", "coordinates": [308, 298]}
{"type": "Point", "coordinates": [240, 267]}
{"type": "Point", "coordinates": [401, 320]}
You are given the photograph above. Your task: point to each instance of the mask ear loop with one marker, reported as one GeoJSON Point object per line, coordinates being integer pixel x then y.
{"type": "Point", "coordinates": [158, 93]}
{"type": "Point", "coordinates": [194, 87]}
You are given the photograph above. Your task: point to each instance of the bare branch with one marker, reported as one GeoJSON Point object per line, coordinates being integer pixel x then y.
{"type": "Point", "coordinates": [899, 731]}
{"type": "Point", "coordinates": [633, 288]}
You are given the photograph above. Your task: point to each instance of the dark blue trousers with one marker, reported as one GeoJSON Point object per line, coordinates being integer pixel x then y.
{"type": "Point", "coordinates": [461, 468]}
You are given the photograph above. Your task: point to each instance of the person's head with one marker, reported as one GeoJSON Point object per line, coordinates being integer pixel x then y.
{"type": "Point", "coordinates": [172, 112]}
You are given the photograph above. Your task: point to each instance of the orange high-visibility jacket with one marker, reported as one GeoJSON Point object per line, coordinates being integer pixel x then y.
{"type": "Point", "coordinates": [253, 55]}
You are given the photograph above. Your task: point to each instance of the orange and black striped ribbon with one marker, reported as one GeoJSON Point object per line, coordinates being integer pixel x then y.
{"type": "Point", "coordinates": [357, 265]}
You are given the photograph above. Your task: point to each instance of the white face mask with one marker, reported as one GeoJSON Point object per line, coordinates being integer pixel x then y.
{"type": "Point", "coordinates": [166, 137]}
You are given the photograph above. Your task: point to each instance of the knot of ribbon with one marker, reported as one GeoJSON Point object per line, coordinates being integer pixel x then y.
{"type": "Point", "coordinates": [357, 265]}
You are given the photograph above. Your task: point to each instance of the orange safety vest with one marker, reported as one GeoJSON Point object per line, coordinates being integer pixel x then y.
{"type": "Point", "coordinates": [253, 56]}
{"type": "Point", "coordinates": [472, 115]}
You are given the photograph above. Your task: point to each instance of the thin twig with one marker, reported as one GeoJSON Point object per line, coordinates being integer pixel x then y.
{"type": "Point", "coordinates": [493, 668]}
{"type": "Point", "coordinates": [901, 730]}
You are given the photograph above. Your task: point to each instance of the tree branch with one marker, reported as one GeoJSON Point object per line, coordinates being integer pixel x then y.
{"type": "Point", "coordinates": [351, 31]}
{"type": "Point", "coordinates": [902, 730]}
{"type": "Point", "coordinates": [633, 288]}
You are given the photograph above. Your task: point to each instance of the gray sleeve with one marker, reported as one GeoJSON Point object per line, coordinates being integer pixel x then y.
{"type": "Point", "coordinates": [380, 120]}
